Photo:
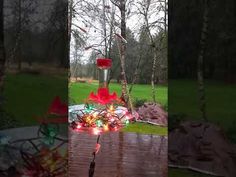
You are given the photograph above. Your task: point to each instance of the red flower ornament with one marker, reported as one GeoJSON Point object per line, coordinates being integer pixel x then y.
{"type": "Point", "coordinates": [57, 107]}
{"type": "Point", "coordinates": [103, 96]}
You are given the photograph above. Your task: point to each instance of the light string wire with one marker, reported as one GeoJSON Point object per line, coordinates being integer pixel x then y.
{"type": "Point", "coordinates": [30, 159]}
{"type": "Point", "coordinates": [92, 164]}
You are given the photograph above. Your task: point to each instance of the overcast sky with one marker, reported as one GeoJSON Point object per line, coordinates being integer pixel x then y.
{"type": "Point", "coordinates": [94, 28]}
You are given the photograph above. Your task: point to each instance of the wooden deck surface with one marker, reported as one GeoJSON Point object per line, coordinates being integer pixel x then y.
{"type": "Point", "coordinates": [121, 155]}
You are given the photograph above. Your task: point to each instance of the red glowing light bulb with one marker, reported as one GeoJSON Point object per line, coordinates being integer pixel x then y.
{"type": "Point", "coordinates": [78, 126]}
{"type": "Point", "coordinates": [97, 148]}
{"type": "Point", "coordinates": [96, 131]}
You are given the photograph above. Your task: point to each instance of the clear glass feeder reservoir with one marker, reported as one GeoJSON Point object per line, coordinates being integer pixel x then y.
{"type": "Point", "coordinates": [104, 65]}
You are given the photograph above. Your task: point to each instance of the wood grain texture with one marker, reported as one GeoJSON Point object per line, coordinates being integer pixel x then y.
{"type": "Point", "coordinates": [121, 155]}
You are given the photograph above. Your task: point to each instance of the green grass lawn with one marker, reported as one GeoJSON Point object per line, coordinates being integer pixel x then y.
{"type": "Point", "coordinates": [80, 91]}
{"type": "Point", "coordinates": [35, 92]}
{"type": "Point", "coordinates": [220, 103]}
{"type": "Point", "coordinates": [145, 129]}
{"type": "Point", "coordinates": [172, 172]}
{"type": "Point", "coordinates": [29, 96]}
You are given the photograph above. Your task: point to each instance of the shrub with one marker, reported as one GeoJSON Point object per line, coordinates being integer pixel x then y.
{"type": "Point", "coordinates": [139, 102]}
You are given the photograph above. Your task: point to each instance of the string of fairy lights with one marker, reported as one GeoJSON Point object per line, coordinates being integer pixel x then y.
{"type": "Point", "coordinates": [38, 156]}
{"type": "Point", "coordinates": [41, 155]}
{"type": "Point", "coordinates": [100, 120]}
{"type": "Point", "coordinates": [97, 119]}
{"type": "Point", "coordinates": [100, 113]}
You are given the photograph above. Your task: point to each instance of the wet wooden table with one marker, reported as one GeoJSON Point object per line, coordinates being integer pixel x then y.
{"type": "Point", "coordinates": [121, 155]}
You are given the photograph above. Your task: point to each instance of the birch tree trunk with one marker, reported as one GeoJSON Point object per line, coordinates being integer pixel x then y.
{"type": "Point", "coordinates": [70, 19]}
{"type": "Point", "coordinates": [123, 50]}
{"type": "Point", "coordinates": [2, 51]}
{"type": "Point", "coordinates": [111, 31]}
{"type": "Point", "coordinates": [19, 33]}
{"type": "Point", "coordinates": [153, 75]}
{"type": "Point", "coordinates": [153, 44]}
{"type": "Point", "coordinates": [71, 2]}
{"type": "Point", "coordinates": [165, 17]}
{"type": "Point", "coordinates": [200, 62]}
{"type": "Point", "coordinates": [104, 29]}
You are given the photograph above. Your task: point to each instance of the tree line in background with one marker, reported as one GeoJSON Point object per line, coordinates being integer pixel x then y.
{"type": "Point", "coordinates": [183, 50]}
{"type": "Point", "coordinates": [139, 61]}
{"type": "Point", "coordinates": [35, 33]}
{"type": "Point", "coordinates": [33, 40]}
{"type": "Point", "coordinates": [140, 54]}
